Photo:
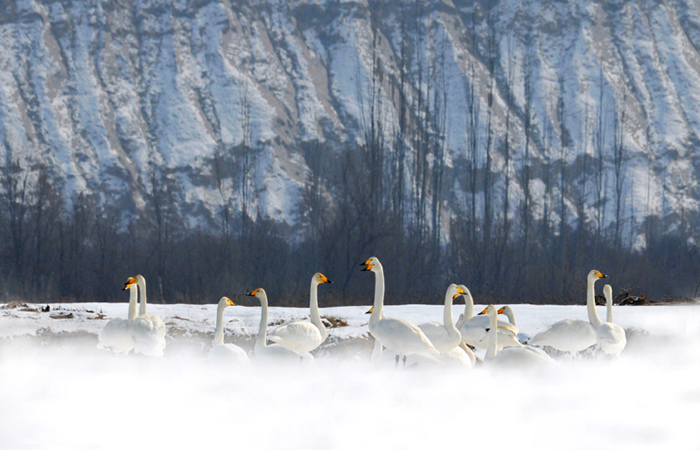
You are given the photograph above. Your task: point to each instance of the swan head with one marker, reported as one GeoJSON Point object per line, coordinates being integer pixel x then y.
{"type": "Point", "coordinates": [594, 275]}
{"type": "Point", "coordinates": [259, 292]}
{"type": "Point", "coordinates": [225, 301]}
{"type": "Point", "coordinates": [466, 293]}
{"type": "Point", "coordinates": [130, 282]}
{"type": "Point", "coordinates": [607, 290]}
{"type": "Point", "coordinates": [371, 265]}
{"type": "Point", "coordinates": [321, 278]}
{"type": "Point", "coordinates": [457, 290]}
{"type": "Point", "coordinates": [491, 310]}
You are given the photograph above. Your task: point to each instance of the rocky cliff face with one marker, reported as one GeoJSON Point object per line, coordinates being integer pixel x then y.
{"type": "Point", "coordinates": [589, 105]}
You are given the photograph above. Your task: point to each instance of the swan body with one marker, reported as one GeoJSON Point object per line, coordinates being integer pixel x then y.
{"type": "Point", "coordinates": [148, 331]}
{"type": "Point", "coordinates": [302, 337]}
{"type": "Point", "coordinates": [610, 336]}
{"type": "Point", "coordinates": [460, 356]}
{"type": "Point", "coordinates": [117, 333]}
{"type": "Point", "coordinates": [444, 336]}
{"type": "Point", "coordinates": [273, 352]}
{"type": "Point", "coordinates": [574, 335]}
{"type": "Point", "coordinates": [221, 351]}
{"type": "Point", "coordinates": [473, 328]}
{"type": "Point", "coordinates": [511, 356]}
{"type": "Point", "coordinates": [398, 335]}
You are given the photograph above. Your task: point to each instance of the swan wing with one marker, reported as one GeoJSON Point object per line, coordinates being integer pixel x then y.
{"type": "Point", "coordinates": [149, 335]}
{"type": "Point", "coordinates": [402, 337]}
{"type": "Point", "coordinates": [300, 337]}
{"type": "Point", "coordinates": [611, 338]}
{"type": "Point", "coordinates": [116, 336]}
{"type": "Point", "coordinates": [228, 352]}
{"type": "Point", "coordinates": [569, 335]}
{"type": "Point", "coordinates": [438, 335]}
{"type": "Point", "coordinates": [519, 357]}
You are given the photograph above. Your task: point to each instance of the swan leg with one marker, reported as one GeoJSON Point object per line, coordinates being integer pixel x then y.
{"type": "Point", "coordinates": [404, 360]}
{"type": "Point", "coordinates": [396, 364]}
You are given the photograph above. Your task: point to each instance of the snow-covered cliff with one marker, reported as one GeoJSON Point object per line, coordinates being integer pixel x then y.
{"type": "Point", "coordinates": [107, 93]}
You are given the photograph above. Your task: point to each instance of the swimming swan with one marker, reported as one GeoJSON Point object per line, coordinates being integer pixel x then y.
{"type": "Point", "coordinates": [301, 336]}
{"type": "Point", "coordinates": [610, 336]}
{"type": "Point", "coordinates": [149, 331]}
{"type": "Point", "coordinates": [574, 335]}
{"type": "Point", "coordinates": [219, 350]}
{"type": "Point", "coordinates": [272, 352]}
{"type": "Point", "coordinates": [398, 335]}
{"type": "Point", "coordinates": [510, 356]}
{"type": "Point", "coordinates": [117, 333]}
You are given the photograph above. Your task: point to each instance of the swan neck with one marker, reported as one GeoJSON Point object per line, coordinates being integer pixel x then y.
{"type": "Point", "coordinates": [142, 293]}
{"type": "Point", "coordinates": [378, 306]}
{"type": "Point", "coordinates": [448, 319]}
{"type": "Point", "coordinates": [133, 299]}
{"type": "Point", "coordinates": [219, 333]}
{"type": "Point", "coordinates": [590, 304]}
{"type": "Point", "coordinates": [493, 332]}
{"type": "Point", "coordinates": [609, 307]}
{"type": "Point", "coordinates": [260, 342]}
{"type": "Point", "coordinates": [313, 306]}
{"type": "Point", "coordinates": [468, 307]}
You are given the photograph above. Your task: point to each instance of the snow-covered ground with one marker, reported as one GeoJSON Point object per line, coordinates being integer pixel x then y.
{"type": "Point", "coordinates": [58, 391]}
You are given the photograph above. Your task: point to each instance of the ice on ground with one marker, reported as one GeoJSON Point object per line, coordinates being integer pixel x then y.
{"type": "Point", "coordinates": [58, 391]}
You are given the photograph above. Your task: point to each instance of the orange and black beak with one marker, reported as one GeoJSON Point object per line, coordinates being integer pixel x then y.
{"type": "Point", "coordinates": [325, 279]}
{"type": "Point", "coordinates": [253, 293]}
{"type": "Point", "coordinates": [368, 265]}
{"type": "Point", "coordinates": [370, 310]}
{"type": "Point", "coordinates": [500, 311]}
{"type": "Point", "coordinates": [485, 311]}
{"type": "Point", "coordinates": [128, 283]}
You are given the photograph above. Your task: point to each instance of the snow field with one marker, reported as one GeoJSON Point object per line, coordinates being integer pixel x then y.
{"type": "Point", "coordinates": [66, 394]}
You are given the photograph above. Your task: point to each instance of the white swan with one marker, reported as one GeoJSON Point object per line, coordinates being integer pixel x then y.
{"type": "Point", "coordinates": [148, 331]}
{"type": "Point", "coordinates": [508, 312]}
{"type": "Point", "coordinates": [610, 336]}
{"type": "Point", "coordinates": [574, 335]}
{"type": "Point", "coordinates": [444, 336]}
{"type": "Point", "coordinates": [510, 356]}
{"type": "Point", "coordinates": [398, 335]}
{"type": "Point", "coordinates": [262, 351]}
{"type": "Point", "coordinates": [219, 350]}
{"type": "Point", "coordinates": [117, 333]}
{"type": "Point", "coordinates": [473, 328]}
{"type": "Point", "coordinates": [301, 336]}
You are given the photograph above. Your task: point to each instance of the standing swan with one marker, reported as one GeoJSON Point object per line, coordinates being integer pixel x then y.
{"type": "Point", "coordinates": [473, 328]}
{"type": "Point", "coordinates": [398, 335]}
{"type": "Point", "coordinates": [261, 350]}
{"type": "Point", "coordinates": [149, 331]}
{"type": "Point", "coordinates": [574, 335]}
{"type": "Point", "coordinates": [228, 352]}
{"type": "Point", "coordinates": [610, 336]}
{"type": "Point", "coordinates": [301, 336]}
{"type": "Point", "coordinates": [510, 356]}
{"type": "Point", "coordinates": [116, 335]}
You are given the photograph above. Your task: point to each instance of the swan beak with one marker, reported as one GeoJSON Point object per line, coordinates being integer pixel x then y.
{"type": "Point", "coordinates": [253, 293]}
{"type": "Point", "coordinates": [460, 290]}
{"type": "Point", "coordinates": [370, 310]}
{"type": "Point", "coordinates": [368, 268]}
{"type": "Point", "coordinates": [500, 311]}
{"type": "Point", "coordinates": [486, 310]}
{"type": "Point", "coordinates": [230, 302]}
{"type": "Point", "coordinates": [128, 283]}
{"type": "Point", "coordinates": [455, 296]}
{"type": "Point", "coordinates": [600, 275]}
{"type": "Point", "coordinates": [325, 280]}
